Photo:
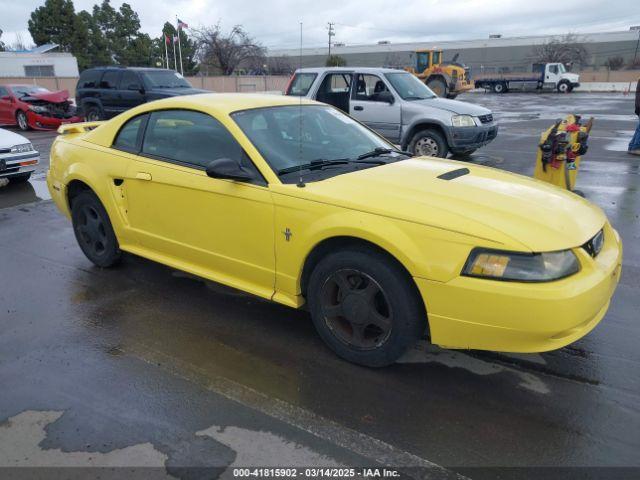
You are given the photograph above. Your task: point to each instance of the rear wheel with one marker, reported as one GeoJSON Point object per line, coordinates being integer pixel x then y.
{"type": "Point", "coordinates": [93, 230]}
{"type": "Point", "coordinates": [21, 120]}
{"type": "Point", "coordinates": [93, 114]}
{"type": "Point", "coordinates": [364, 307]}
{"type": "Point", "coordinates": [500, 88]}
{"type": "Point", "coordinates": [429, 143]}
{"type": "Point", "coordinates": [439, 87]}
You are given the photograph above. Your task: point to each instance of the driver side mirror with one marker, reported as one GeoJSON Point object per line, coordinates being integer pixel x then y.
{"type": "Point", "coordinates": [228, 169]}
{"type": "Point", "coordinates": [386, 96]}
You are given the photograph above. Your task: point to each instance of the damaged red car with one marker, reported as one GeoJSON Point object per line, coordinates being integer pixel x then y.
{"type": "Point", "coordinates": [31, 106]}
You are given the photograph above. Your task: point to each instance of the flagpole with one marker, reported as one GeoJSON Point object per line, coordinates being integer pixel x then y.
{"type": "Point", "coordinates": [166, 51]}
{"type": "Point", "coordinates": [175, 59]}
{"type": "Point", "coordinates": [179, 46]}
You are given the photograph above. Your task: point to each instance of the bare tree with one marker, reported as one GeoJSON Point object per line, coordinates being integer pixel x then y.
{"type": "Point", "coordinates": [280, 65]}
{"type": "Point", "coordinates": [567, 49]}
{"type": "Point", "coordinates": [614, 63]}
{"type": "Point", "coordinates": [227, 51]}
{"type": "Point", "coordinates": [2, 47]}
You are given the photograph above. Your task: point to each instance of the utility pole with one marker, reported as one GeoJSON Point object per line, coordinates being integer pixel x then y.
{"type": "Point", "coordinates": [331, 34]}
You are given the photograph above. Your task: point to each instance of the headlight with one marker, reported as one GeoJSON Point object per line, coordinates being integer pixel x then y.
{"type": "Point", "coordinates": [521, 267]}
{"type": "Point", "coordinates": [24, 147]}
{"type": "Point", "coordinates": [38, 108]}
{"type": "Point", "coordinates": [463, 121]}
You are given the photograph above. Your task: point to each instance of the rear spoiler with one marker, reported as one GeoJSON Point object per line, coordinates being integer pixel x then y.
{"type": "Point", "coordinates": [78, 127]}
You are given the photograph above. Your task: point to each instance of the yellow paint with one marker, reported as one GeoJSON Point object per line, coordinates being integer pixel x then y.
{"type": "Point", "coordinates": [232, 232]}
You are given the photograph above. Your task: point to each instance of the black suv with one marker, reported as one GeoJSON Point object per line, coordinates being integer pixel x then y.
{"type": "Point", "coordinates": [104, 92]}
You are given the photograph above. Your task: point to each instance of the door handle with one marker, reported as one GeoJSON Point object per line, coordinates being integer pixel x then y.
{"type": "Point", "coordinates": [358, 107]}
{"type": "Point", "coordinates": [143, 176]}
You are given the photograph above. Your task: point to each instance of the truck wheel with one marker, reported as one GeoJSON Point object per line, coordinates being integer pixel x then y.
{"type": "Point", "coordinates": [364, 306]}
{"type": "Point", "coordinates": [93, 113]}
{"type": "Point", "coordinates": [500, 88]}
{"type": "Point", "coordinates": [438, 86]}
{"type": "Point", "coordinates": [429, 143]}
{"type": "Point", "coordinates": [21, 120]}
{"type": "Point", "coordinates": [93, 230]}
{"type": "Point", "coordinates": [564, 87]}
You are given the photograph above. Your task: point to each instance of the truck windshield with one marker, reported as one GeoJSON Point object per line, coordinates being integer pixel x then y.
{"type": "Point", "coordinates": [409, 87]}
{"type": "Point", "coordinates": [561, 68]}
{"type": "Point", "coordinates": [164, 79]}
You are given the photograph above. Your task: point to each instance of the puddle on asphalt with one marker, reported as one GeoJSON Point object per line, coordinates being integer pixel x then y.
{"type": "Point", "coordinates": [34, 190]}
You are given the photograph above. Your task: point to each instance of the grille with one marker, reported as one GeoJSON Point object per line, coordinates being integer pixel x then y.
{"type": "Point", "coordinates": [486, 118]}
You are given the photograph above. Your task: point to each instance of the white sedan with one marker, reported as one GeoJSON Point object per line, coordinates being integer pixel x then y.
{"type": "Point", "coordinates": [18, 158]}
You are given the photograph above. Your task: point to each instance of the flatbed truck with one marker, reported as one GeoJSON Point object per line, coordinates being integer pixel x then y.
{"type": "Point", "coordinates": [544, 76]}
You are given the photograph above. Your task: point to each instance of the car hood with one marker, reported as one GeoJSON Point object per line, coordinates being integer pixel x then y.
{"type": "Point", "coordinates": [174, 92]}
{"type": "Point", "coordinates": [52, 97]}
{"type": "Point", "coordinates": [501, 207]}
{"type": "Point", "coordinates": [9, 139]}
{"type": "Point", "coordinates": [454, 106]}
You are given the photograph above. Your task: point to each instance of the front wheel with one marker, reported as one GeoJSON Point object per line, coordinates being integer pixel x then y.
{"type": "Point", "coordinates": [93, 230]}
{"type": "Point", "coordinates": [364, 307]}
{"type": "Point", "coordinates": [429, 143]}
{"type": "Point", "coordinates": [438, 86]}
{"type": "Point", "coordinates": [564, 87]}
{"type": "Point", "coordinates": [21, 120]}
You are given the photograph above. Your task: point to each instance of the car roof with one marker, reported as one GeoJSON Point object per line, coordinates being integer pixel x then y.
{"type": "Point", "coordinates": [350, 69]}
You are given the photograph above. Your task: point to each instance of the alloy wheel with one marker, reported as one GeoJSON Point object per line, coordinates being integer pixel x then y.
{"type": "Point", "coordinates": [356, 309]}
{"type": "Point", "coordinates": [22, 121]}
{"type": "Point", "coordinates": [92, 230]}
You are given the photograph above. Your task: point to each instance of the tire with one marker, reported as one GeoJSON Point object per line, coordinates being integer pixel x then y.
{"type": "Point", "coordinates": [93, 113]}
{"type": "Point", "coordinates": [21, 121]}
{"type": "Point", "coordinates": [379, 291]}
{"type": "Point", "coordinates": [500, 88]}
{"type": "Point", "coordinates": [439, 87]}
{"type": "Point", "coordinates": [564, 87]}
{"type": "Point", "coordinates": [429, 142]}
{"type": "Point", "coordinates": [21, 178]}
{"type": "Point", "coordinates": [93, 230]}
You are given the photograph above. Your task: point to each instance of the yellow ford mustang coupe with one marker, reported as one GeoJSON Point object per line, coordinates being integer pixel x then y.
{"type": "Point", "coordinates": [296, 202]}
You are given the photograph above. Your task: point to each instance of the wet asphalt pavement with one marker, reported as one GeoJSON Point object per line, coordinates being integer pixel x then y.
{"type": "Point", "coordinates": [144, 366]}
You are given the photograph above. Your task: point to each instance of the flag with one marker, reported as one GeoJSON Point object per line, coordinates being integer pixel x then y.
{"type": "Point", "coordinates": [182, 25]}
{"type": "Point", "coordinates": [167, 40]}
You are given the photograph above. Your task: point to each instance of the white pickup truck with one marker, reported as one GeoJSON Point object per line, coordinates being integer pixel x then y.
{"type": "Point", "coordinates": [544, 76]}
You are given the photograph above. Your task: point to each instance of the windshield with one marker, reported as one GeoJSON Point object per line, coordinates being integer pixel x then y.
{"type": "Point", "coordinates": [291, 136]}
{"type": "Point", "coordinates": [21, 90]}
{"type": "Point", "coordinates": [409, 87]}
{"type": "Point", "coordinates": [164, 79]}
{"type": "Point", "coordinates": [561, 68]}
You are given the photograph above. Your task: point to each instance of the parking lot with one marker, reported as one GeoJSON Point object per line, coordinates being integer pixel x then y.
{"type": "Point", "coordinates": [145, 366]}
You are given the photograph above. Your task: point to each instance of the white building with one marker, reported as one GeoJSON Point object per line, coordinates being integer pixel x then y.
{"type": "Point", "coordinates": [39, 62]}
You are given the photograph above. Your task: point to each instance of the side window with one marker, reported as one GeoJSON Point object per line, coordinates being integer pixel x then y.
{"type": "Point", "coordinates": [130, 81]}
{"type": "Point", "coordinates": [300, 84]}
{"type": "Point", "coordinates": [189, 137]}
{"type": "Point", "coordinates": [89, 79]}
{"type": "Point", "coordinates": [110, 79]}
{"type": "Point", "coordinates": [3, 92]}
{"type": "Point", "coordinates": [368, 87]}
{"type": "Point", "coordinates": [553, 69]}
{"type": "Point", "coordinates": [128, 136]}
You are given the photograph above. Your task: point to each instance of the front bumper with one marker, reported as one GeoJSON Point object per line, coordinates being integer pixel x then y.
{"type": "Point", "coordinates": [18, 163]}
{"type": "Point", "coordinates": [45, 122]}
{"type": "Point", "coordinates": [472, 313]}
{"type": "Point", "coordinates": [471, 138]}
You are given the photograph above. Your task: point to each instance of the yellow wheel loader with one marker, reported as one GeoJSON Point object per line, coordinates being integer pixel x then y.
{"type": "Point", "coordinates": [447, 80]}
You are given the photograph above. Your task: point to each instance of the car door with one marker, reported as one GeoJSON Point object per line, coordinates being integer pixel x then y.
{"type": "Point", "coordinates": [6, 106]}
{"type": "Point", "coordinates": [552, 74]}
{"type": "Point", "coordinates": [109, 94]}
{"type": "Point", "coordinates": [334, 89]}
{"type": "Point", "coordinates": [131, 90]}
{"type": "Point", "coordinates": [368, 107]}
{"type": "Point", "coordinates": [220, 229]}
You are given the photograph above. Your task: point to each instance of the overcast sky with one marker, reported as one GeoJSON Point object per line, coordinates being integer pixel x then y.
{"type": "Point", "coordinates": [275, 23]}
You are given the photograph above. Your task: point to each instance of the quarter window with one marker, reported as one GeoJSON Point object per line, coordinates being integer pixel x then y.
{"type": "Point", "coordinates": [189, 137]}
{"type": "Point", "coordinates": [127, 138]}
{"type": "Point", "coordinates": [301, 84]}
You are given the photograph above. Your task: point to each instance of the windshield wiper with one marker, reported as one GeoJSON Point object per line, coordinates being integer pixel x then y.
{"type": "Point", "coordinates": [321, 163]}
{"type": "Point", "coordinates": [379, 151]}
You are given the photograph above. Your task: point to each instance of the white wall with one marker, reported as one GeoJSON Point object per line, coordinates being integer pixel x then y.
{"type": "Point", "coordinates": [12, 64]}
